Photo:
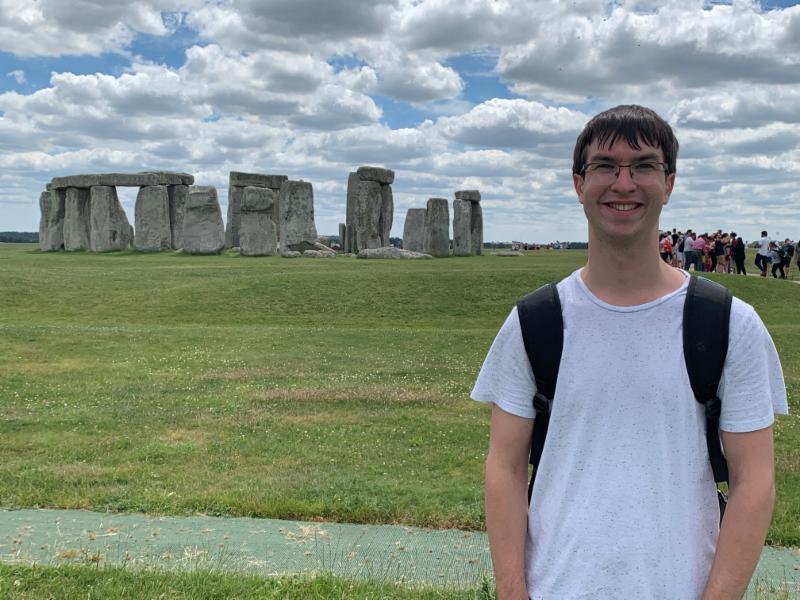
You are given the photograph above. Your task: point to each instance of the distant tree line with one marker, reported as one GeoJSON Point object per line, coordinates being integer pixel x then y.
{"type": "Point", "coordinates": [19, 237]}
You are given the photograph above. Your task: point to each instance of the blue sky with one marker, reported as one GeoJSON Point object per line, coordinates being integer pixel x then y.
{"type": "Point", "coordinates": [451, 95]}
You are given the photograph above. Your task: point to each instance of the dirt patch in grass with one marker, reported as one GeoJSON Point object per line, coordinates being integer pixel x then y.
{"type": "Point", "coordinates": [179, 436]}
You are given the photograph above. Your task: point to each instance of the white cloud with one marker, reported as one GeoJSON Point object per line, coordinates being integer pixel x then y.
{"type": "Point", "coordinates": [18, 76]}
{"type": "Point", "coordinates": [501, 123]}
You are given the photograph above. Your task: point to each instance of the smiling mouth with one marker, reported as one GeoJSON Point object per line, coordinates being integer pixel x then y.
{"type": "Point", "coordinates": [623, 206]}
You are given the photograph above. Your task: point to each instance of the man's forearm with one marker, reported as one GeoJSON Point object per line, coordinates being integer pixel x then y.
{"type": "Point", "coordinates": [507, 524]}
{"type": "Point", "coordinates": [741, 540]}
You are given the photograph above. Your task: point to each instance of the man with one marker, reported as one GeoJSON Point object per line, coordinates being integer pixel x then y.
{"type": "Point", "coordinates": [788, 253]}
{"type": "Point", "coordinates": [688, 250]}
{"type": "Point", "coordinates": [762, 258]}
{"type": "Point", "coordinates": [624, 503]}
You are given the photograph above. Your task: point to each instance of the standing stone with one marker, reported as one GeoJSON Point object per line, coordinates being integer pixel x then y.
{"type": "Point", "coordinates": [437, 228]}
{"type": "Point", "coordinates": [342, 236]}
{"type": "Point", "coordinates": [462, 223]}
{"type": "Point", "coordinates": [297, 229]}
{"type": "Point", "coordinates": [51, 224]}
{"type": "Point", "coordinates": [414, 230]}
{"type": "Point", "coordinates": [369, 201]}
{"type": "Point", "coordinates": [387, 214]}
{"type": "Point", "coordinates": [152, 232]}
{"type": "Point", "coordinates": [235, 194]}
{"type": "Point", "coordinates": [350, 219]}
{"type": "Point", "coordinates": [476, 229]}
{"type": "Point", "coordinates": [178, 195]}
{"type": "Point", "coordinates": [203, 230]}
{"type": "Point", "coordinates": [110, 229]}
{"type": "Point", "coordinates": [258, 235]}
{"type": "Point", "coordinates": [77, 219]}
{"type": "Point", "coordinates": [476, 219]}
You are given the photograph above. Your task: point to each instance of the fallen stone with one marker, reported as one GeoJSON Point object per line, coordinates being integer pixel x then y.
{"type": "Point", "coordinates": [152, 230]}
{"type": "Point", "coordinates": [318, 254]}
{"type": "Point", "coordinates": [291, 254]}
{"type": "Point", "coordinates": [414, 230]}
{"type": "Point", "coordinates": [258, 235]}
{"type": "Point", "coordinates": [240, 179]}
{"type": "Point", "coordinates": [110, 229]}
{"type": "Point", "coordinates": [471, 195]}
{"type": "Point", "coordinates": [51, 223]}
{"type": "Point", "coordinates": [387, 214]}
{"type": "Point", "coordinates": [476, 229]}
{"type": "Point", "coordinates": [178, 196]}
{"type": "Point", "coordinates": [391, 253]}
{"type": "Point", "coordinates": [437, 228]}
{"type": "Point", "coordinates": [203, 230]}
{"type": "Point", "coordinates": [77, 219]}
{"type": "Point", "coordinates": [511, 253]}
{"type": "Point", "coordinates": [378, 174]}
{"type": "Point", "coordinates": [369, 201]}
{"type": "Point", "coordinates": [462, 221]}
{"type": "Point", "coordinates": [297, 229]}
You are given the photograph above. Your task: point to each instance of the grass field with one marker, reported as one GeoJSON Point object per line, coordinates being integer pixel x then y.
{"type": "Point", "coordinates": [304, 389]}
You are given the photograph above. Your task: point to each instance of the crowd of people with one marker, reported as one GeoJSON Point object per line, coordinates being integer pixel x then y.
{"type": "Point", "coordinates": [725, 252]}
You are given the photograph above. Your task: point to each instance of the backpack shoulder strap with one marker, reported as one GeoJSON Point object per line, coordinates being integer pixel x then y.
{"type": "Point", "coordinates": [706, 316]}
{"type": "Point", "coordinates": [543, 334]}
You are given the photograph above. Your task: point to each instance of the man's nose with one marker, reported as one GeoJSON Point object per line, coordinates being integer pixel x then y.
{"type": "Point", "coordinates": [624, 180]}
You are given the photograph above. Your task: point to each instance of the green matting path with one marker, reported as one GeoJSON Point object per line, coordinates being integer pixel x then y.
{"type": "Point", "coordinates": [393, 553]}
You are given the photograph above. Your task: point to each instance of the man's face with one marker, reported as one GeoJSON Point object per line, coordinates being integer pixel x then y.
{"type": "Point", "coordinates": [624, 208]}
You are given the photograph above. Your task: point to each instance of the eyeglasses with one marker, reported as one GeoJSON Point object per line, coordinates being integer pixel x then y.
{"type": "Point", "coordinates": [608, 171]}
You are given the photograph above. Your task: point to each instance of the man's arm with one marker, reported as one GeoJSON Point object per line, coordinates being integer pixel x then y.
{"type": "Point", "coordinates": [507, 501]}
{"type": "Point", "coordinates": [747, 516]}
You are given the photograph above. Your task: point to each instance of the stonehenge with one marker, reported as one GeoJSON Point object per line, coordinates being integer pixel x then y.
{"type": "Point", "coordinates": [237, 182]}
{"type": "Point", "coordinates": [267, 215]}
{"type": "Point", "coordinates": [83, 212]}
{"type": "Point", "coordinates": [370, 209]}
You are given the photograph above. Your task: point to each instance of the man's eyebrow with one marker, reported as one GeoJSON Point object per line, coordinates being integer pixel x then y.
{"type": "Point", "coordinates": [607, 158]}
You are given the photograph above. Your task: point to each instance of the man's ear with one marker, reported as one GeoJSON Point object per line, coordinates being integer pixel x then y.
{"type": "Point", "coordinates": [578, 181]}
{"type": "Point", "coordinates": [670, 185]}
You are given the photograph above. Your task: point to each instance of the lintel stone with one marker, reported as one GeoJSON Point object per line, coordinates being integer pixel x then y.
{"type": "Point", "coordinates": [471, 195]}
{"type": "Point", "coordinates": [122, 180]}
{"type": "Point", "coordinates": [240, 179]}
{"type": "Point", "coordinates": [385, 176]}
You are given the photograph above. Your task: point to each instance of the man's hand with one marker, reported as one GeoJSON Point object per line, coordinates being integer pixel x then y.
{"type": "Point", "coordinates": [751, 467]}
{"type": "Point", "coordinates": [507, 501]}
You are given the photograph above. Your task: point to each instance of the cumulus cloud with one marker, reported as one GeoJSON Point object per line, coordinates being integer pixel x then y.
{"type": "Point", "coordinates": [501, 123]}
{"type": "Point", "coordinates": [61, 27]}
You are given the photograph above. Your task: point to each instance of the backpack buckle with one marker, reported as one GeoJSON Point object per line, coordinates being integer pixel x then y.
{"type": "Point", "coordinates": [542, 404]}
{"type": "Point", "coordinates": [713, 407]}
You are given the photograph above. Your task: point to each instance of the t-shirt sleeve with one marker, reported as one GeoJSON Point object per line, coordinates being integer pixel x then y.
{"type": "Point", "coordinates": [752, 388]}
{"type": "Point", "coordinates": [506, 378]}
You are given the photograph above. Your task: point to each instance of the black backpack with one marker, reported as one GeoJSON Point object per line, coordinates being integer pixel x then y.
{"type": "Point", "coordinates": [706, 315]}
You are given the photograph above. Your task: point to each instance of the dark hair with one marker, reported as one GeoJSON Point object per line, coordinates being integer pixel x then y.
{"type": "Point", "coordinates": [763, 233]}
{"type": "Point", "coordinates": [634, 124]}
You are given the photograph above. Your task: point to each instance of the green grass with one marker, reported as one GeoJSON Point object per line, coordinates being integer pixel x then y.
{"type": "Point", "coordinates": [88, 583]}
{"type": "Point", "coordinates": [304, 389]}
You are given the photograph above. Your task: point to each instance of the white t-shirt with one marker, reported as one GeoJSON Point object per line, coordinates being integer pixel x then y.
{"type": "Point", "coordinates": [624, 504]}
{"type": "Point", "coordinates": [763, 246]}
